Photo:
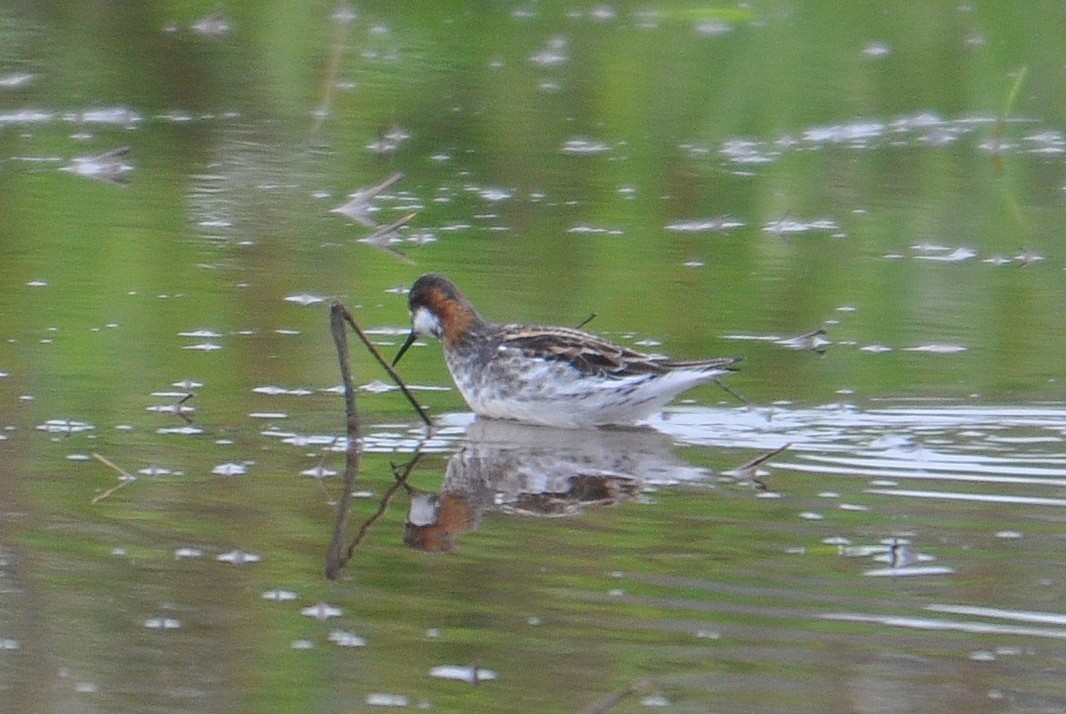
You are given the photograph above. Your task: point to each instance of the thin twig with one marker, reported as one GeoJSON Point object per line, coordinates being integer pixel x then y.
{"type": "Point", "coordinates": [761, 459]}
{"type": "Point", "coordinates": [384, 363]}
{"type": "Point", "coordinates": [334, 556]}
{"type": "Point", "coordinates": [641, 685]}
{"type": "Point", "coordinates": [381, 238]}
{"type": "Point", "coordinates": [592, 316]}
{"type": "Point", "coordinates": [364, 195]}
{"type": "Point", "coordinates": [733, 393]}
{"type": "Point", "coordinates": [125, 478]}
{"type": "Point", "coordinates": [338, 314]}
{"type": "Point", "coordinates": [384, 230]}
{"type": "Point", "coordinates": [339, 558]}
{"type": "Point", "coordinates": [401, 482]}
{"type": "Point", "coordinates": [401, 473]}
{"type": "Point", "coordinates": [749, 471]}
{"type": "Point", "coordinates": [178, 408]}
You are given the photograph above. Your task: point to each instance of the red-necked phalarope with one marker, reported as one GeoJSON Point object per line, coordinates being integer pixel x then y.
{"type": "Point", "coordinates": [554, 376]}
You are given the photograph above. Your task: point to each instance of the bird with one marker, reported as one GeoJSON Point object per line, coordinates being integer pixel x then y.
{"type": "Point", "coordinates": [549, 376]}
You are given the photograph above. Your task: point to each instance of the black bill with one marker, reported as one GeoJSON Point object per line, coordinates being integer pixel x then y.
{"type": "Point", "coordinates": [410, 341]}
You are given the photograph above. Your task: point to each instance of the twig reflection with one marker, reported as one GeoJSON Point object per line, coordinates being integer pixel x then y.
{"type": "Point", "coordinates": [339, 554]}
{"type": "Point", "coordinates": [336, 556]}
{"type": "Point", "coordinates": [124, 478]}
{"type": "Point", "coordinates": [749, 472]}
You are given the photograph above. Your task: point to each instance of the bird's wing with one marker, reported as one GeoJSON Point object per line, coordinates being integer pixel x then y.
{"type": "Point", "coordinates": [586, 352]}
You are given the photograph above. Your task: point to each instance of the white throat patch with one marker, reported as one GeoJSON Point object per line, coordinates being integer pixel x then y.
{"type": "Point", "coordinates": [426, 323]}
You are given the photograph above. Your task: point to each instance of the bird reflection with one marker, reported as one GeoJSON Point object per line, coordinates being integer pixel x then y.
{"type": "Point", "coordinates": [539, 471]}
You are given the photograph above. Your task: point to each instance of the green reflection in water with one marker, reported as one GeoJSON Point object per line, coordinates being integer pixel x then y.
{"type": "Point", "coordinates": [546, 155]}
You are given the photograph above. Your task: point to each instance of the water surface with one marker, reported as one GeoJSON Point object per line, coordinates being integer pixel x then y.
{"type": "Point", "coordinates": [865, 206]}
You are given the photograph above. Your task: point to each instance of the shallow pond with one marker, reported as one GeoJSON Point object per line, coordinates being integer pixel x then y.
{"type": "Point", "coordinates": [865, 205]}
